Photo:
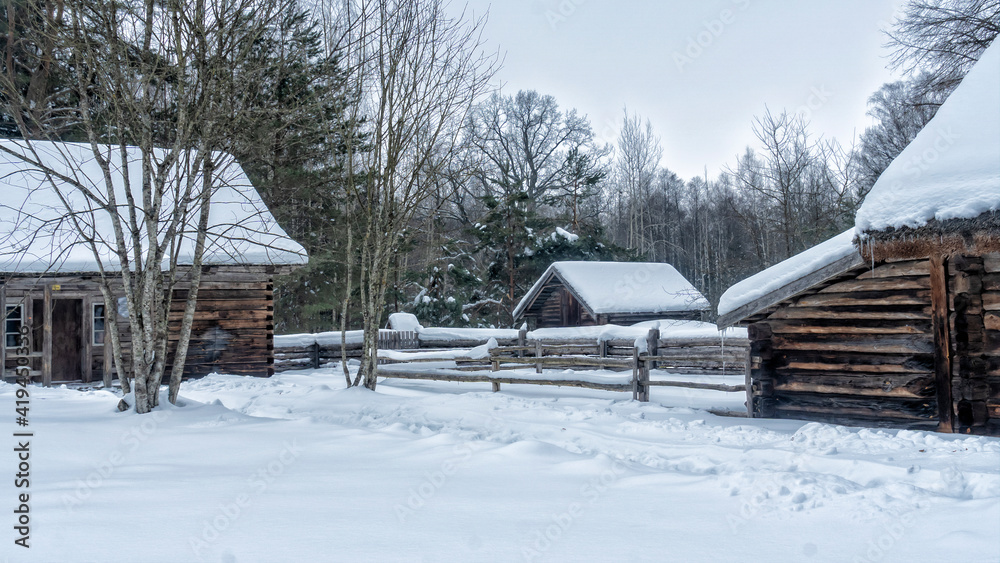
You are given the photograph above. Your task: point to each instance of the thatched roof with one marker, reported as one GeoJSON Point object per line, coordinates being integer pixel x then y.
{"type": "Point", "coordinates": [941, 195]}
{"type": "Point", "coordinates": [962, 235]}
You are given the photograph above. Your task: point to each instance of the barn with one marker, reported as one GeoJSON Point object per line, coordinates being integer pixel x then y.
{"type": "Point", "coordinates": [50, 281]}
{"type": "Point", "coordinates": [599, 293]}
{"type": "Point", "coordinates": [895, 322]}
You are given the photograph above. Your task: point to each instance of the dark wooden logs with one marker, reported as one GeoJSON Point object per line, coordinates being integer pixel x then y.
{"type": "Point", "coordinates": [942, 341]}
{"type": "Point", "coordinates": [859, 348]}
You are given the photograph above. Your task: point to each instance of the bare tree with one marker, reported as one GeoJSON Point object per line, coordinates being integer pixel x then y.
{"type": "Point", "coordinates": [636, 163]}
{"type": "Point", "coordinates": [943, 37]}
{"type": "Point", "coordinates": [786, 157]}
{"type": "Point", "coordinates": [525, 141]}
{"type": "Point", "coordinates": [418, 71]}
{"type": "Point", "coordinates": [160, 87]}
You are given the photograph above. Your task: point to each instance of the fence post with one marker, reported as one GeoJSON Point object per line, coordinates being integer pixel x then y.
{"type": "Point", "coordinates": [522, 339]}
{"type": "Point", "coordinates": [652, 346]}
{"type": "Point", "coordinates": [635, 373]}
{"type": "Point", "coordinates": [748, 381]}
{"type": "Point", "coordinates": [652, 343]}
{"type": "Point", "coordinates": [494, 367]}
{"type": "Point", "coordinates": [314, 353]}
{"type": "Point", "coordinates": [602, 348]}
{"type": "Point", "coordinates": [538, 356]}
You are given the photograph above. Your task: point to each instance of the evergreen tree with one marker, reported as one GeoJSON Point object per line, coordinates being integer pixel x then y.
{"type": "Point", "coordinates": [294, 153]}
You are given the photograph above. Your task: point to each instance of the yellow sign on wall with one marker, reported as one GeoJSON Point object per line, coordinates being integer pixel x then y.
{"type": "Point", "coordinates": [56, 287]}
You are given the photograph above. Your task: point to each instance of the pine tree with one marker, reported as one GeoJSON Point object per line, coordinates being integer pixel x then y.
{"type": "Point", "coordinates": [293, 152]}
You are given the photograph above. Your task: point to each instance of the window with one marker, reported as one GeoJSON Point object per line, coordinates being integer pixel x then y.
{"type": "Point", "coordinates": [98, 324]}
{"type": "Point", "coordinates": [12, 326]}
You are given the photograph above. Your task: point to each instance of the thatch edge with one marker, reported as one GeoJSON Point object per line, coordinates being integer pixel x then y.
{"type": "Point", "coordinates": [976, 235]}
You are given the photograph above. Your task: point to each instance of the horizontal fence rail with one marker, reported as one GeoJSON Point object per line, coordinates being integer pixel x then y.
{"type": "Point", "coordinates": [681, 356]}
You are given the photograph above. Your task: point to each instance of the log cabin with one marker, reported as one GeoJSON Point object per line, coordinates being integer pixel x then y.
{"type": "Point", "coordinates": [895, 322]}
{"type": "Point", "coordinates": [599, 293]}
{"type": "Point", "coordinates": [50, 280]}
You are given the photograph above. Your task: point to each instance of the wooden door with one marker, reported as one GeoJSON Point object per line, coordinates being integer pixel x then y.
{"type": "Point", "coordinates": [569, 309]}
{"type": "Point", "coordinates": [68, 332]}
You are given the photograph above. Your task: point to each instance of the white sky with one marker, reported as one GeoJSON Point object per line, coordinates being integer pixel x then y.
{"type": "Point", "coordinates": [599, 56]}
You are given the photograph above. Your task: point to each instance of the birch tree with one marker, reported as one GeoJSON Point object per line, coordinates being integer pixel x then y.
{"type": "Point", "coordinates": [418, 71]}
{"type": "Point", "coordinates": [159, 88]}
{"type": "Point", "coordinates": [636, 164]}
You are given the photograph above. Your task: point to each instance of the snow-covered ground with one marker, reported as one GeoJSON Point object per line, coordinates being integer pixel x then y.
{"type": "Point", "coordinates": [297, 468]}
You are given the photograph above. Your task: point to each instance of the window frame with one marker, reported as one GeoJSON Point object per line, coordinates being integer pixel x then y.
{"type": "Point", "coordinates": [93, 324]}
{"type": "Point", "coordinates": [20, 324]}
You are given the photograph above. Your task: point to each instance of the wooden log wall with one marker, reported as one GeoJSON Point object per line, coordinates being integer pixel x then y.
{"type": "Point", "coordinates": [975, 285]}
{"type": "Point", "coordinates": [559, 309]}
{"type": "Point", "coordinates": [233, 330]}
{"type": "Point", "coordinates": [858, 351]}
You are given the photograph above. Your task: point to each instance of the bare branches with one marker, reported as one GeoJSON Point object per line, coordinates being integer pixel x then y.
{"type": "Point", "coordinates": [418, 72]}
{"type": "Point", "coordinates": [158, 89]}
{"type": "Point", "coordinates": [943, 37]}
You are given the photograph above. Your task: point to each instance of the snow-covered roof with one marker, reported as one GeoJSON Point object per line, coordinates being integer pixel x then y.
{"type": "Point", "coordinates": [785, 279]}
{"type": "Point", "coordinates": [621, 287]}
{"type": "Point", "coordinates": [952, 168]}
{"type": "Point", "coordinates": [37, 233]}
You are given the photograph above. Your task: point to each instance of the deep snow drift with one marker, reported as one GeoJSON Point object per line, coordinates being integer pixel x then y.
{"type": "Point", "coordinates": [296, 468]}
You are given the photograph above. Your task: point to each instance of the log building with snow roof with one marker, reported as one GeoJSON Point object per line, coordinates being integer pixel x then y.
{"type": "Point", "coordinates": [895, 322]}
{"type": "Point", "coordinates": [599, 293]}
{"type": "Point", "coordinates": [50, 281]}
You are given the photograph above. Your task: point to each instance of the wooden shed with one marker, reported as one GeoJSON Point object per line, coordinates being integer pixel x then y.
{"type": "Point", "coordinates": [598, 293]}
{"type": "Point", "coordinates": [49, 281]}
{"type": "Point", "coordinates": [895, 322]}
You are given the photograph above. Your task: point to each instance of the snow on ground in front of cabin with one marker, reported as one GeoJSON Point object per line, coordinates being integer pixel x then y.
{"type": "Point", "coordinates": [297, 468]}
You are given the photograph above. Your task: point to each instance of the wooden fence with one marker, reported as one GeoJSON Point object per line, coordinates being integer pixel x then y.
{"type": "Point", "coordinates": [313, 355]}
{"type": "Point", "coordinates": [697, 357]}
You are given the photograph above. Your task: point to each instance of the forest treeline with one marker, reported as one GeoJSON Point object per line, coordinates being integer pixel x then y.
{"type": "Point", "coordinates": [524, 182]}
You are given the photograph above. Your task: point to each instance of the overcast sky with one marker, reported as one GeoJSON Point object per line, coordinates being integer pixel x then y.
{"type": "Point", "coordinates": [699, 70]}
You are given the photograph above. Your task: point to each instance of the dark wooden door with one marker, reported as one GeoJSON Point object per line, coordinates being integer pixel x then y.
{"type": "Point", "coordinates": [67, 339]}
{"type": "Point", "coordinates": [569, 309]}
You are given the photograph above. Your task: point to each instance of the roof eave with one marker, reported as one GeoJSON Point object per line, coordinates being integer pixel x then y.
{"type": "Point", "coordinates": [790, 290]}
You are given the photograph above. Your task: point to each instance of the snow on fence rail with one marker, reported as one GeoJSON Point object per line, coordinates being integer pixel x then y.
{"type": "Point", "coordinates": [299, 351]}
{"type": "Point", "coordinates": [690, 356]}
{"type": "Point", "coordinates": [683, 348]}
